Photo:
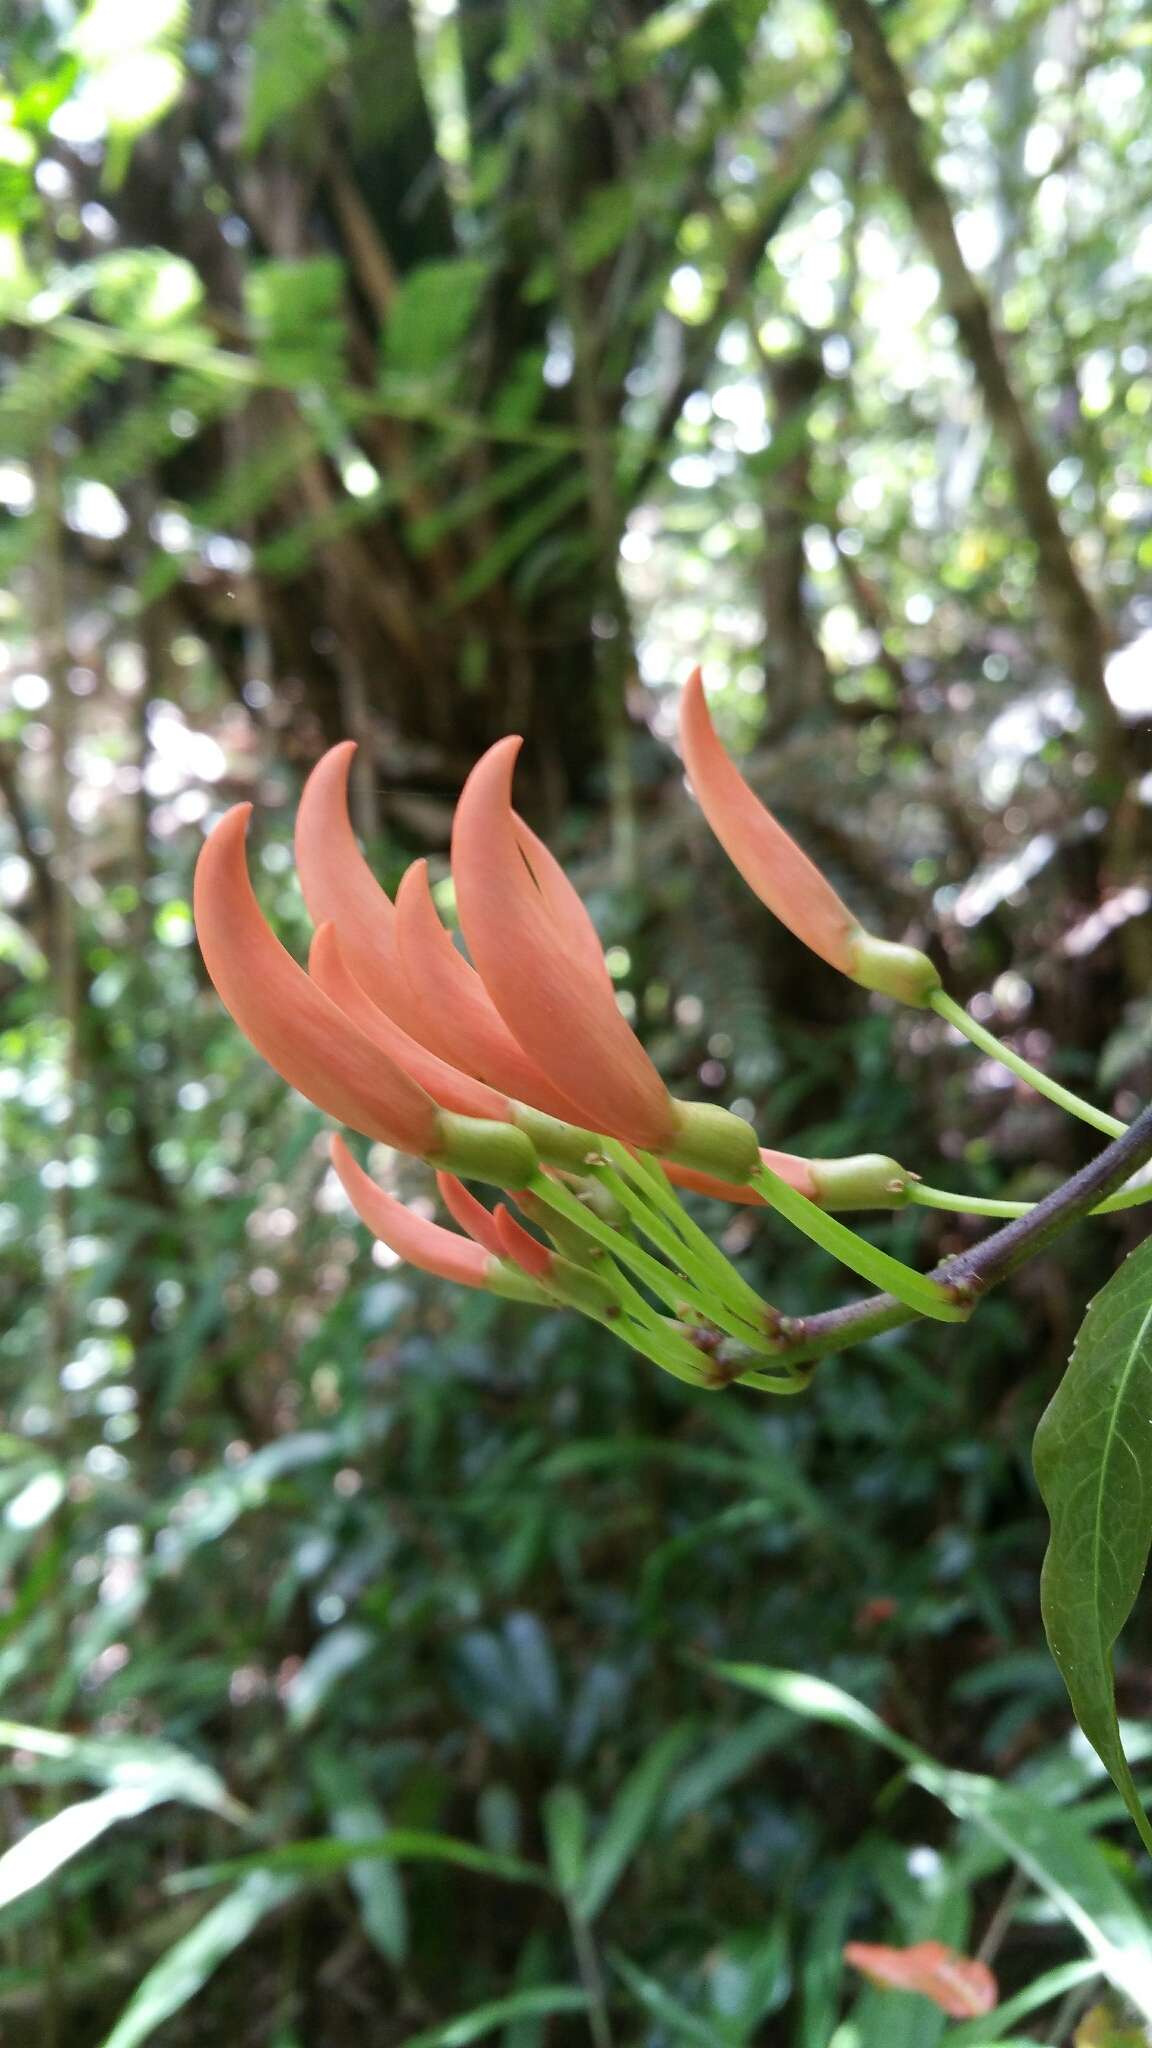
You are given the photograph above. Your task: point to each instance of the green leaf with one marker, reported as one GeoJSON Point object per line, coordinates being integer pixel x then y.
{"type": "Point", "coordinates": [186, 1968]}
{"type": "Point", "coordinates": [145, 289]}
{"type": "Point", "coordinates": [296, 47]}
{"type": "Point", "coordinates": [125, 1761]}
{"type": "Point", "coordinates": [1093, 1460]}
{"type": "Point", "coordinates": [405, 1845]}
{"type": "Point", "coordinates": [565, 1816]}
{"type": "Point", "coordinates": [354, 1815]}
{"type": "Point", "coordinates": [660, 2003]}
{"type": "Point", "coordinates": [718, 1766]}
{"type": "Point", "coordinates": [432, 312]}
{"type": "Point", "coordinates": [297, 318]}
{"type": "Point", "coordinates": [517, 536]}
{"type": "Point", "coordinates": [45, 1849]}
{"type": "Point", "coordinates": [539, 2000]}
{"type": "Point", "coordinates": [631, 1818]}
{"type": "Point", "coordinates": [1053, 1849]}
{"type": "Point", "coordinates": [324, 1671]}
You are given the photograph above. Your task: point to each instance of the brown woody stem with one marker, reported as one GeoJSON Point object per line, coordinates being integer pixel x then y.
{"type": "Point", "coordinates": [970, 1273]}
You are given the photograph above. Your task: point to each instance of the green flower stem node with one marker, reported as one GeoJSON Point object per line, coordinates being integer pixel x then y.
{"type": "Point", "coordinates": [600, 1200]}
{"type": "Point", "coordinates": [901, 972]}
{"type": "Point", "coordinates": [712, 1140]}
{"type": "Point", "coordinates": [478, 1150]}
{"type": "Point", "coordinates": [869, 1180]}
{"type": "Point", "coordinates": [557, 1143]}
{"type": "Point", "coordinates": [503, 1278]}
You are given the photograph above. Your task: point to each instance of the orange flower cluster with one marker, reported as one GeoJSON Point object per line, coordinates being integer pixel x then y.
{"type": "Point", "coordinates": [518, 1058]}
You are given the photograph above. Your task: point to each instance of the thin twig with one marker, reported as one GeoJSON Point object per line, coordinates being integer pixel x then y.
{"type": "Point", "coordinates": [970, 1273]}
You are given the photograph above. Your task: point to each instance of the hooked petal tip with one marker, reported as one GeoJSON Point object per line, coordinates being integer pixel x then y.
{"type": "Point", "coordinates": [470, 1214]}
{"type": "Point", "coordinates": [414, 1238]}
{"type": "Point", "coordinates": [521, 1247]}
{"type": "Point", "coordinates": [340, 888]}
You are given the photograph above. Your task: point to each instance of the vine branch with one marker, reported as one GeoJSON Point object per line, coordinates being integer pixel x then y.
{"type": "Point", "coordinates": [969, 1274]}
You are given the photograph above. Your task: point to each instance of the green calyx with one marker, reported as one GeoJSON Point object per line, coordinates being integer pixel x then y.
{"type": "Point", "coordinates": [712, 1140]}
{"type": "Point", "coordinates": [556, 1143]}
{"type": "Point", "coordinates": [868, 1180]}
{"type": "Point", "coordinates": [577, 1287]}
{"type": "Point", "coordinates": [592, 1195]}
{"type": "Point", "coordinates": [901, 972]}
{"type": "Point", "coordinates": [478, 1150]}
{"type": "Point", "coordinates": [503, 1278]}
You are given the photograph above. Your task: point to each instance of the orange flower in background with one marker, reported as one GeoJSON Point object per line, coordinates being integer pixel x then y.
{"type": "Point", "coordinates": [781, 875]}
{"type": "Point", "coordinates": [960, 1985]}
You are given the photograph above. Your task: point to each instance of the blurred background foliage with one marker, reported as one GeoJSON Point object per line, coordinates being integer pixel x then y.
{"type": "Point", "coordinates": [421, 372]}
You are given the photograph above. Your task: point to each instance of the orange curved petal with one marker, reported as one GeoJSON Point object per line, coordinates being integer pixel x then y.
{"type": "Point", "coordinates": [531, 947]}
{"type": "Point", "coordinates": [575, 930]}
{"type": "Point", "coordinates": [790, 1167]}
{"type": "Point", "coordinates": [520, 1246]}
{"type": "Point", "coordinates": [411, 1237]}
{"type": "Point", "coordinates": [340, 888]}
{"type": "Point", "coordinates": [470, 1214]}
{"type": "Point", "coordinates": [961, 1986]}
{"type": "Point", "coordinates": [458, 1017]}
{"type": "Point", "coordinates": [770, 861]}
{"type": "Point", "coordinates": [446, 1085]}
{"type": "Point", "coordinates": [297, 1028]}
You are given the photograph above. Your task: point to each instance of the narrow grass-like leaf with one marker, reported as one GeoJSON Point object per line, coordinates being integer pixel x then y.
{"type": "Point", "coordinates": [327, 1856]}
{"type": "Point", "coordinates": [1093, 1460]}
{"type": "Point", "coordinates": [354, 1815]}
{"type": "Point", "coordinates": [632, 1815]}
{"type": "Point", "coordinates": [673, 2018]}
{"type": "Point", "coordinates": [538, 2000]}
{"type": "Point", "coordinates": [44, 1849]}
{"type": "Point", "coordinates": [126, 1760]}
{"type": "Point", "coordinates": [988, 2030]}
{"type": "Point", "coordinates": [179, 1975]}
{"type": "Point", "coordinates": [565, 1816]}
{"type": "Point", "coordinates": [1054, 1849]}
